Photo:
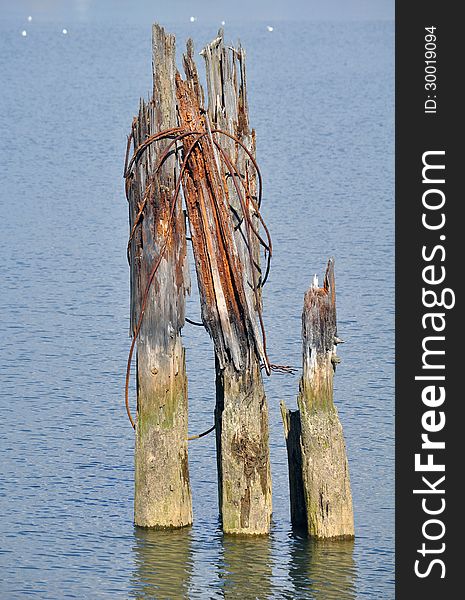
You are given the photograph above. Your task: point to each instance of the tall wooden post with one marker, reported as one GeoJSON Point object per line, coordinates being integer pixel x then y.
{"type": "Point", "coordinates": [319, 475]}
{"type": "Point", "coordinates": [227, 277]}
{"type": "Point", "coordinates": [241, 414]}
{"type": "Point", "coordinates": [162, 490]}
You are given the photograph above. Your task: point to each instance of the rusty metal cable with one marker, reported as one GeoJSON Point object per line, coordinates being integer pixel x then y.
{"type": "Point", "coordinates": [252, 158]}
{"type": "Point", "coordinates": [201, 435]}
{"type": "Point", "coordinates": [146, 143]}
{"type": "Point", "coordinates": [163, 157]}
{"type": "Point", "coordinates": [287, 369]}
{"type": "Point", "coordinates": [267, 245]}
{"type": "Point", "coordinates": [177, 134]}
{"type": "Point", "coordinates": [249, 249]}
{"type": "Point", "coordinates": [234, 174]}
{"type": "Point", "coordinates": [182, 134]}
{"type": "Point", "coordinates": [194, 322]}
{"type": "Point", "coordinates": [260, 188]}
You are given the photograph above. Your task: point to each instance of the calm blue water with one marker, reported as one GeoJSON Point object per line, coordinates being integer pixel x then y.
{"type": "Point", "coordinates": [321, 100]}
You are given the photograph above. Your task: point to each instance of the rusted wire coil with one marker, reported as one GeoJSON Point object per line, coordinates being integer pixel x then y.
{"type": "Point", "coordinates": [246, 200]}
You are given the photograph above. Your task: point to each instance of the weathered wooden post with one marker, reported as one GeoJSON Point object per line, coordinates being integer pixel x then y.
{"type": "Point", "coordinates": [318, 469]}
{"type": "Point", "coordinates": [219, 189]}
{"type": "Point", "coordinates": [162, 491]}
{"type": "Point", "coordinates": [241, 414]}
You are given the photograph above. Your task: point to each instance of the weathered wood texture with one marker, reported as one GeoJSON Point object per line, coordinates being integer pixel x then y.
{"type": "Point", "coordinates": [227, 277]}
{"type": "Point", "coordinates": [162, 490]}
{"type": "Point", "coordinates": [317, 456]}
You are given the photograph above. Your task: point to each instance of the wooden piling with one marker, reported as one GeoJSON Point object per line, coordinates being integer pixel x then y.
{"type": "Point", "coordinates": [318, 469]}
{"type": "Point", "coordinates": [241, 414]}
{"type": "Point", "coordinates": [228, 274]}
{"type": "Point", "coordinates": [162, 490]}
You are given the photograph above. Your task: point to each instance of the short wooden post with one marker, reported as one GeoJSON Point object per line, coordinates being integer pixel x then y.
{"type": "Point", "coordinates": [319, 474]}
{"type": "Point", "coordinates": [162, 490]}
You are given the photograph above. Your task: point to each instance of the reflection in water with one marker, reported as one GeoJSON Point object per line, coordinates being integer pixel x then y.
{"type": "Point", "coordinates": [322, 569]}
{"type": "Point", "coordinates": [164, 568]}
{"type": "Point", "coordinates": [163, 564]}
{"type": "Point", "coordinates": [246, 569]}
